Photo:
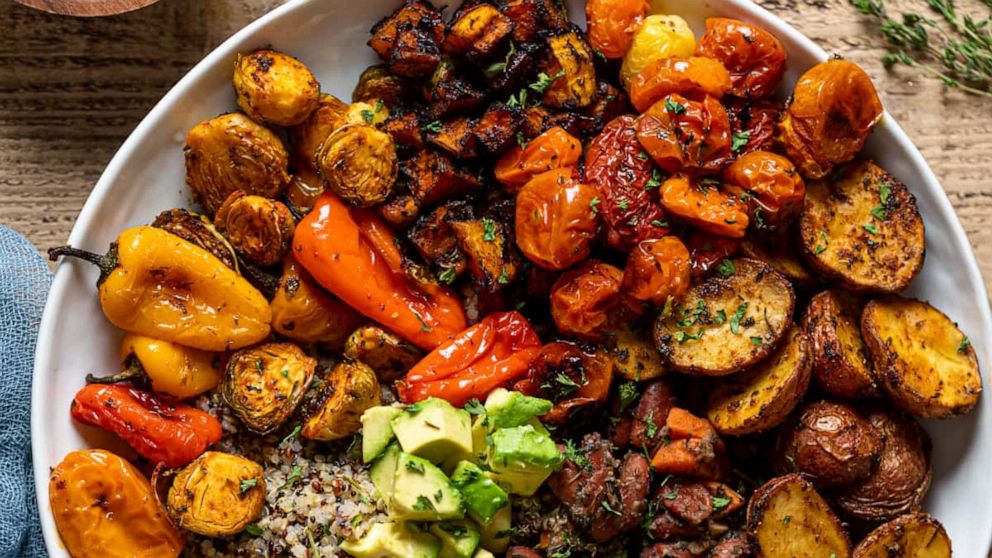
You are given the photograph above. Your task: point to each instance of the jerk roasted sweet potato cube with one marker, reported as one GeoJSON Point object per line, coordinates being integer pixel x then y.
{"type": "Point", "coordinates": [513, 70]}
{"type": "Point", "coordinates": [455, 137]}
{"type": "Point", "coordinates": [435, 178]}
{"type": "Point", "coordinates": [433, 237]}
{"type": "Point", "coordinates": [530, 16]}
{"type": "Point", "coordinates": [491, 259]}
{"type": "Point", "coordinates": [399, 210]}
{"type": "Point", "coordinates": [498, 127]}
{"type": "Point", "coordinates": [405, 131]}
{"type": "Point", "coordinates": [409, 39]}
{"type": "Point", "coordinates": [448, 93]}
{"type": "Point", "coordinates": [569, 63]}
{"type": "Point", "coordinates": [476, 33]}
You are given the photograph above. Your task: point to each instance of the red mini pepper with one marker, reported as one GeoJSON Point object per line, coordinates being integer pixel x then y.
{"type": "Point", "coordinates": [159, 431]}
{"type": "Point", "coordinates": [351, 252]}
{"type": "Point", "coordinates": [493, 352]}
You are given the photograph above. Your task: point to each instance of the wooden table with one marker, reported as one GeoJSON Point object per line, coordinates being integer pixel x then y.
{"type": "Point", "coordinates": [72, 89]}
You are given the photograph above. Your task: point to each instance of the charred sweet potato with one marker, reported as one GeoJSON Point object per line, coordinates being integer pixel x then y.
{"type": "Point", "coordinates": [924, 363]}
{"type": "Point", "coordinates": [530, 17]}
{"type": "Point", "coordinates": [477, 33]}
{"type": "Point", "coordinates": [434, 238]}
{"type": "Point", "coordinates": [914, 535]}
{"type": "Point", "coordinates": [399, 210]}
{"type": "Point", "coordinates": [841, 364]}
{"type": "Point", "coordinates": [486, 244]}
{"type": "Point", "coordinates": [456, 137]}
{"type": "Point", "coordinates": [448, 93]}
{"type": "Point", "coordinates": [788, 519]}
{"type": "Point", "coordinates": [435, 178]}
{"type": "Point", "coordinates": [861, 228]}
{"type": "Point", "coordinates": [570, 67]}
{"type": "Point", "coordinates": [406, 132]}
{"type": "Point", "coordinates": [727, 323]}
{"type": "Point", "coordinates": [410, 39]}
{"type": "Point", "coordinates": [496, 130]}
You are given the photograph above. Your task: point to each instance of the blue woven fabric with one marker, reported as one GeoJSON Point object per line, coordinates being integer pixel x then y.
{"type": "Point", "coordinates": [24, 282]}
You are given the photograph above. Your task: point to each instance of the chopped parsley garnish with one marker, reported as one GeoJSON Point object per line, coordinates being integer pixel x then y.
{"type": "Point", "coordinates": [757, 341]}
{"type": "Point", "coordinates": [642, 156]}
{"type": "Point", "coordinates": [726, 268]}
{"type": "Point", "coordinates": [963, 345]}
{"type": "Point", "coordinates": [254, 530]}
{"type": "Point", "coordinates": [414, 466]}
{"type": "Point", "coordinates": [674, 107]}
{"type": "Point", "coordinates": [628, 393]}
{"type": "Point", "coordinates": [655, 180]}
{"type": "Point", "coordinates": [759, 221]}
{"type": "Point", "coordinates": [293, 477]}
{"type": "Point", "coordinates": [622, 204]}
{"type": "Point", "coordinates": [432, 127]}
{"type": "Point", "coordinates": [720, 503]}
{"type": "Point", "coordinates": [720, 317]}
{"type": "Point", "coordinates": [878, 212]}
{"type": "Point", "coordinates": [503, 277]}
{"type": "Point", "coordinates": [423, 324]}
{"type": "Point", "coordinates": [606, 506]}
{"type": "Point", "coordinates": [439, 495]}
{"type": "Point", "coordinates": [651, 428]}
{"type": "Point", "coordinates": [821, 247]}
{"type": "Point", "coordinates": [576, 455]}
{"type": "Point", "coordinates": [248, 484]}
{"type": "Point", "coordinates": [594, 205]}
{"type": "Point", "coordinates": [787, 519]}
{"type": "Point", "coordinates": [285, 373]}
{"type": "Point", "coordinates": [521, 140]}
{"type": "Point", "coordinates": [669, 495]}
{"type": "Point", "coordinates": [475, 407]}
{"type": "Point", "coordinates": [682, 336]}
{"type": "Point", "coordinates": [659, 224]}
{"type": "Point", "coordinates": [740, 140]}
{"type": "Point", "coordinates": [884, 191]}
{"type": "Point", "coordinates": [568, 384]}
{"type": "Point", "coordinates": [295, 432]}
{"type": "Point", "coordinates": [870, 227]}
{"type": "Point", "coordinates": [424, 503]}
{"type": "Point", "coordinates": [496, 68]}
{"type": "Point", "coordinates": [259, 365]}
{"type": "Point", "coordinates": [735, 320]}
{"type": "Point", "coordinates": [544, 81]}
{"type": "Point", "coordinates": [447, 276]}
{"type": "Point", "coordinates": [457, 530]}
{"type": "Point", "coordinates": [488, 229]}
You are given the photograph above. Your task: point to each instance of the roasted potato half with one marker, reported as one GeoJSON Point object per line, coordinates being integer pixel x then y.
{"type": "Point", "coordinates": [232, 152]}
{"type": "Point", "coordinates": [196, 228]}
{"type": "Point", "coordinates": [635, 356]}
{"type": "Point", "coordinates": [841, 364]}
{"type": "Point", "coordinates": [783, 256]}
{"type": "Point", "coordinates": [861, 228]}
{"type": "Point", "coordinates": [264, 384]}
{"type": "Point", "coordinates": [788, 519]}
{"type": "Point", "coordinates": [260, 229]}
{"type": "Point", "coordinates": [359, 164]}
{"type": "Point", "coordinates": [323, 121]}
{"type": "Point", "coordinates": [304, 312]}
{"type": "Point", "coordinates": [728, 322]}
{"type": "Point", "coordinates": [914, 535]}
{"type": "Point", "coordinates": [903, 474]}
{"type": "Point", "coordinates": [275, 87]}
{"type": "Point", "coordinates": [388, 355]}
{"type": "Point", "coordinates": [217, 495]}
{"type": "Point", "coordinates": [760, 398]}
{"type": "Point", "coordinates": [924, 363]}
{"type": "Point", "coordinates": [830, 443]}
{"type": "Point", "coordinates": [345, 393]}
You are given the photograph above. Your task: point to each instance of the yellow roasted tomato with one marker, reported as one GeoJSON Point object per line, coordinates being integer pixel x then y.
{"type": "Point", "coordinates": [661, 36]}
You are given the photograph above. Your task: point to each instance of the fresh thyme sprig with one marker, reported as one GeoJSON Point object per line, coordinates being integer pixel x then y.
{"type": "Point", "coordinates": [965, 51]}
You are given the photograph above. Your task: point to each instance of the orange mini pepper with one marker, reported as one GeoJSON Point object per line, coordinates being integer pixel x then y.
{"type": "Point", "coordinates": [351, 252]}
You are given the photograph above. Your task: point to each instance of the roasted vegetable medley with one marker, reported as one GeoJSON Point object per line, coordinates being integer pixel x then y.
{"type": "Point", "coordinates": [533, 291]}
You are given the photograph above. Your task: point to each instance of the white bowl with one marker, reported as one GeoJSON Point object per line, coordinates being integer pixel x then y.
{"type": "Point", "coordinates": [146, 176]}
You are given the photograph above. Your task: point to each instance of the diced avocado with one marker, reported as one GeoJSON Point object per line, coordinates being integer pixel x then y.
{"type": "Point", "coordinates": [383, 471]}
{"type": "Point", "coordinates": [522, 448]}
{"type": "Point", "coordinates": [377, 431]}
{"type": "Point", "coordinates": [422, 492]}
{"type": "Point", "coordinates": [480, 429]}
{"type": "Point", "coordinates": [459, 539]}
{"type": "Point", "coordinates": [434, 430]}
{"type": "Point", "coordinates": [393, 540]}
{"type": "Point", "coordinates": [483, 497]}
{"type": "Point", "coordinates": [522, 483]}
{"type": "Point", "coordinates": [495, 536]}
{"type": "Point", "coordinates": [483, 553]}
{"type": "Point", "coordinates": [507, 409]}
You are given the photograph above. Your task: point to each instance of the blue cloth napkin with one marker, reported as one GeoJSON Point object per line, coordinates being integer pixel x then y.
{"type": "Point", "coordinates": [24, 282]}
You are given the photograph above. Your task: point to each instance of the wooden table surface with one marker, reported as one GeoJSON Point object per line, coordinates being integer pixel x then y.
{"type": "Point", "coordinates": [71, 90]}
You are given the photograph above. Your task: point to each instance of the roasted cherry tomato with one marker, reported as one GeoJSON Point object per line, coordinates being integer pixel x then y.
{"type": "Point", "coordinates": [753, 56]}
{"type": "Point", "coordinates": [691, 77]}
{"type": "Point", "coordinates": [656, 270]}
{"type": "Point", "coordinates": [834, 107]}
{"type": "Point", "coordinates": [571, 375]}
{"type": "Point", "coordinates": [555, 220]}
{"type": "Point", "coordinates": [771, 186]}
{"type": "Point", "coordinates": [612, 24]}
{"type": "Point", "coordinates": [351, 252]}
{"type": "Point", "coordinates": [585, 301]}
{"type": "Point", "coordinates": [554, 149]}
{"type": "Point", "coordinates": [173, 434]}
{"type": "Point", "coordinates": [754, 120]}
{"type": "Point", "coordinates": [621, 171]}
{"type": "Point", "coordinates": [490, 354]}
{"type": "Point", "coordinates": [704, 206]}
{"type": "Point", "coordinates": [707, 251]}
{"type": "Point", "coordinates": [680, 134]}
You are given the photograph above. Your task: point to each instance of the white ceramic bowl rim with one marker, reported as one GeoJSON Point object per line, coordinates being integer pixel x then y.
{"type": "Point", "coordinates": [743, 9]}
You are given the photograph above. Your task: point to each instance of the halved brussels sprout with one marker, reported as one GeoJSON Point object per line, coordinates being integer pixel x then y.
{"type": "Point", "coordinates": [275, 87]}
{"type": "Point", "coordinates": [196, 228]}
{"type": "Point", "coordinates": [377, 82]}
{"type": "Point", "coordinates": [232, 152]}
{"type": "Point", "coordinates": [306, 313]}
{"type": "Point", "coordinates": [312, 132]}
{"type": "Point", "coordinates": [265, 384]}
{"type": "Point", "coordinates": [217, 495]}
{"type": "Point", "coordinates": [388, 355]}
{"type": "Point", "coordinates": [359, 164]}
{"type": "Point", "coordinates": [260, 229]}
{"type": "Point", "coordinates": [348, 390]}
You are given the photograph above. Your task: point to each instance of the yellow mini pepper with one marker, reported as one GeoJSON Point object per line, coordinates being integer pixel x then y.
{"type": "Point", "coordinates": [156, 284]}
{"type": "Point", "coordinates": [167, 367]}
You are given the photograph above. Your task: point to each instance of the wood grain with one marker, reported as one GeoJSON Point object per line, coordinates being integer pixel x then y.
{"type": "Point", "coordinates": [87, 8]}
{"type": "Point", "coordinates": [73, 89]}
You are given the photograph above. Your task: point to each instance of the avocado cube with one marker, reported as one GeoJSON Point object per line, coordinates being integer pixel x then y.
{"type": "Point", "coordinates": [377, 430]}
{"type": "Point", "coordinates": [422, 492]}
{"type": "Point", "coordinates": [523, 448]}
{"type": "Point", "coordinates": [483, 497]}
{"type": "Point", "coordinates": [434, 430]}
{"type": "Point", "coordinates": [521, 483]}
{"type": "Point", "coordinates": [459, 539]}
{"type": "Point", "coordinates": [383, 471]}
{"type": "Point", "coordinates": [507, 409]}
{"type": "Point", "coordinates": [394, 539]}
{"type": "Point", "coordinates": [495, 537]}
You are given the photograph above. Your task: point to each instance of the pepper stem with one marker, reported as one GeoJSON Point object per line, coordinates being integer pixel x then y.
{"type": "Point", "coordinates": [107, 262]}
{"type": "Point", "coordinates": [133, 371]}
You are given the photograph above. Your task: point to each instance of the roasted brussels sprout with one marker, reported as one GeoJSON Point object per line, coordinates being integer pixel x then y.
{"type": "Point", "coordinates": [232, 152]}
{"type": "Point", "coordinates": [264, 384]}
{"type": "Point", "coordinates": [306, 313]}
{"type": "Point", "coordinates": [196, 228]}
{"type": "Point", "coordinates": [260, 229]}
{"type": "Point", "coordinates": [388, 355]}
{"type": "Point", "coordinates": [217, 495]}
{"type": "Point", "coordinates": [372, 114]}
{"type": "Point", "coordinates": [378, 83]}
{"type": "Point", "coordinates": [309, 134]}
{"type": "Point", "coordinates": [359, 164]}
{"type": "Point", "coordinates": [347, 391]}
{"type": "Point", "coordinates": [275, 87]}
